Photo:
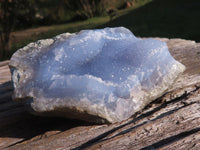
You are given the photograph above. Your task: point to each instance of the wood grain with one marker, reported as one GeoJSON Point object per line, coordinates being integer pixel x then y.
{"type": "Point", "coordinates": [170, 122]}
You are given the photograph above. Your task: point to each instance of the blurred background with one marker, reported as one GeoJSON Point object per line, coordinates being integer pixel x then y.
{"type": "Point", "coordinates": [25, 21]}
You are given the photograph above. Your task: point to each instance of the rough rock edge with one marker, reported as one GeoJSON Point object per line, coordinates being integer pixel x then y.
{"type": "Point", "coordinates": [34, 46]}
{"type": "Point", "coordinates": [84, 136]}
{"type": "Point", "coordinates": [44, 43]}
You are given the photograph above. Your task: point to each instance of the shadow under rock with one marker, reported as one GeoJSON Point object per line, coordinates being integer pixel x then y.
{"type": "Point", "coordinates": [16, 122]}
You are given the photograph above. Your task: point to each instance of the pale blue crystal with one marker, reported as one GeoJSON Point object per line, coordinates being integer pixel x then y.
{"type": "Point", "coordinates": [107, 73]}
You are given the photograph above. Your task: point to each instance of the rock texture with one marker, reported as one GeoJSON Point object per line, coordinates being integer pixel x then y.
{"type": "Point", "coordinates": [95, 75]}
{"type": "Point", "coordinates": [170, 122]}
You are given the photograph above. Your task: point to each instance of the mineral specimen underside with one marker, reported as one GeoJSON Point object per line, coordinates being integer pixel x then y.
{"type": "Point", "coordinates": [103, 75]}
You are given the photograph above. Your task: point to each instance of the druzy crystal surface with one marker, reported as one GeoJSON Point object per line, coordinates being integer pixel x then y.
{"type": "Point", "coordinates": [102, 75]}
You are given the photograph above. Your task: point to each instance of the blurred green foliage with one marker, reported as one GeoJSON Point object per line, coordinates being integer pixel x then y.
{"type": "Point", "coordinates": [163, 18]}
{"type": "Point", "coordinates": [12, 14]}
{"type": "Point", "coordinates": [22, 14]}
{"type": "Point", "coordinates": [58, 29]}
{"type": "Point", "coordinates": [51, 12]}
{"type": "Point", "coordinates": [145, 18]}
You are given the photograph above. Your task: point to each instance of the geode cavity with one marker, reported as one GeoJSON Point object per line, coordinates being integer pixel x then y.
{"type": "Point", "coordinates": [94, 75]}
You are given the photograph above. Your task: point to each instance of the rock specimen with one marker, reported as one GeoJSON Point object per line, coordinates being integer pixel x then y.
{"type": "Point", "coordinates": [103, 75]}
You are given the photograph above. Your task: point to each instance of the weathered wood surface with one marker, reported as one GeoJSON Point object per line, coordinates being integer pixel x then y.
{"type": "Point", "coordinates": [170, 122]}
{"type": "Point", "coordinates": [4, 72]}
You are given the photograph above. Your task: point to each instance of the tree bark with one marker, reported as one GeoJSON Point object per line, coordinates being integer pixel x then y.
{"type": "Point", "coordinates": [7, 20]}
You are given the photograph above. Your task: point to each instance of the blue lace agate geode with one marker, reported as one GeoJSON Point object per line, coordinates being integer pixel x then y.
{"type": "Point", "coordinates": [94, 75]}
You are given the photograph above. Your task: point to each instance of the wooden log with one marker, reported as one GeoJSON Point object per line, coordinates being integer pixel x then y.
{"type": "Point", "coordinates": [4, 72]}
{"type": "Point", "coordinates": [170, 122]}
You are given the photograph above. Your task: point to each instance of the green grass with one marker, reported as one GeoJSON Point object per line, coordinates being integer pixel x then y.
{"type": "Point", "coordinates": [58, 29]}
{"type": "Point", "coordinates": [163, 18]}
{"type": "Point", "coordinates": [149, 18]}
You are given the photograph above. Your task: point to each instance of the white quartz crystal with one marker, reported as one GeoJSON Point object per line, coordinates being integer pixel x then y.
{"type": "Point", "coordinates": [94, 75]}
